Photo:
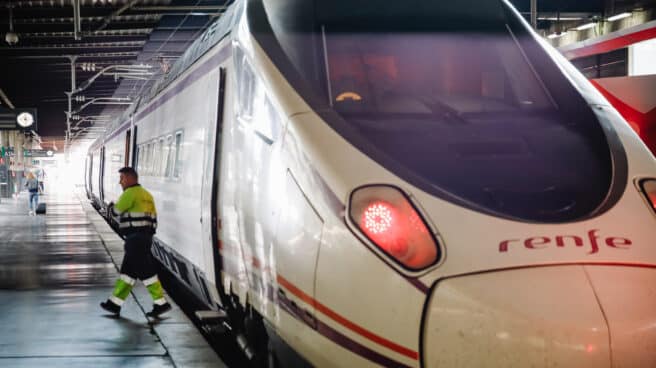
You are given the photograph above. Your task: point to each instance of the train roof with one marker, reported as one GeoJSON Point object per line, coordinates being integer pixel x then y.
{"type": "Point", "coordinates": [298, 15]}
{"type": "Point", "coordinates": [216, 32]}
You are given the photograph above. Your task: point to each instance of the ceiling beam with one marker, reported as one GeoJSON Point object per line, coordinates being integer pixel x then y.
{"type": "Point", "coordinates": [115, 14]}
{"type": "Point", "coordinates": [153, 18]}
{"type": "Point", "coordinates": [103, 33]}
{"type": "Point", "coordinates": [75, 46]}
{"type": "Point", "coordinates": [182, 8]}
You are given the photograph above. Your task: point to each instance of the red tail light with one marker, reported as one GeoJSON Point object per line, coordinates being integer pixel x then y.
{"type": "Point", "coordinates": [389, 220]}
{"type": "Point", "coordinates": [649, 188]}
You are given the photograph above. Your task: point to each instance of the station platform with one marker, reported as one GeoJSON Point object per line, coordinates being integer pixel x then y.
{"type": "Point", "coordinates": [55, 269]}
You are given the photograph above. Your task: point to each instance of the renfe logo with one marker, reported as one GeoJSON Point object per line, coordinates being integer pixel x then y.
{"type": "Point", "coordinates": [539, 242]}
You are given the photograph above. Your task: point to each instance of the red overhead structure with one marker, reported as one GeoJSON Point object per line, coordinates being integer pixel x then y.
{"type": "Point", "coordinates": [612, 41]}
{"type": "Point", "coordinates": [635, 99]}
{"type": "Point", "coordinates": [633, 96]}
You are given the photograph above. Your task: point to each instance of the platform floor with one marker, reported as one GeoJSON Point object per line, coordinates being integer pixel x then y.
{"type": "Point", "coordinates": [54, 271]}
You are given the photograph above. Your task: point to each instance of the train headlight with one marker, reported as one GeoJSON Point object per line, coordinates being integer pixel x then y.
{"type": "Point", "coordinates": [649, 189]}
{"type": "Point", "coordinates": [386, 217]}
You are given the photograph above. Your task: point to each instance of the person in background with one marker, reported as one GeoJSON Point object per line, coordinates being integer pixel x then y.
{"type": "Point", "coordinates": [136, 216]}
{"type": "Point", "coordinates": [41, 177]}
{"type": "Point", "coordinates": [32, 185]}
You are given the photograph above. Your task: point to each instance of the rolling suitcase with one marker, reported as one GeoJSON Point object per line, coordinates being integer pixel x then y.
{"type": "Point", "coordinates": [41, 209]}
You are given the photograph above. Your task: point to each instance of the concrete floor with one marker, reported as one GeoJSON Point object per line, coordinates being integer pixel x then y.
{"type": "Point", "coordinates": [54, 271]}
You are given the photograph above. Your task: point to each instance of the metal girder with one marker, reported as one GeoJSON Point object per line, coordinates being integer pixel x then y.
{"type": "Point", "coordinates": [128, 54]}
{"type": "Point", "coordinates": [111, 33]}
{"type": "Point", "coordinates": [103, 33]}
{"type": "Point", "coordinates": [116, 13]}
{"type": "Point", "coordinates": [181, 8]}
{"type": "Point", "coordinates": [153, 18]}
{"type": "Point", "coordinates": [5, 99]}
{"type": "Point", "coordinates": [84, 45]}
{"type": "Point", "coordinates": [67, 3]}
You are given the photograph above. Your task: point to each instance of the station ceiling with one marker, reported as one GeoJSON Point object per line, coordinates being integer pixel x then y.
{"type": "Point", "coordinates": [36, 71]}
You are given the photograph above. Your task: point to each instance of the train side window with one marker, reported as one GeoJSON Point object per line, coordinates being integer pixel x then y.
{"type": "Point", "coordinates": [254, 105]}
{"type": "Point", "coordinates": [246, 89]}
{"type": "Point", "coordinates": [143, 155]}
{"type": "Point", "coordinates": [144, 159]}
{"type": "Point", "coordinates": [157, 154]}
{"type": "Point", "coordinates": [177, 166]}
{"type": "Point", "coordinates": [137, 161]}
{"type": "Point", "coordinates": [161, 157]}
{"type": "Point", "coordinates": [266, 120]}
{"type": "Point", "coordinates": [149, 163]}
{"type": "Point", "coordinates": [147, 159]}
{"type": "Point", "coordinates": [169, 156]}
{"type": "Point", "coordinates": [153, 158]}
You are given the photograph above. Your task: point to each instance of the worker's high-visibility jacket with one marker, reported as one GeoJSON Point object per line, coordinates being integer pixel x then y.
{"type": "Point", "coordinates": [135, 211]}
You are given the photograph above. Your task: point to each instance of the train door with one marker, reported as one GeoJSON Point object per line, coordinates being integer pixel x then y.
{"type": "Point", "coordinates": [209, 190]}
{"type": "Point", "coordinates": [87, 175]}
{"type": "Point", "coordinates": [126, 153]}
{"type": "Point", "coordinates": [135, 150]}
{"type": "Point", "coordinates": [101, 174]}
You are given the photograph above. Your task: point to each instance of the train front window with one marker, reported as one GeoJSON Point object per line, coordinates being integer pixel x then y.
{"type": "Point", "coordinates": [431, 74]}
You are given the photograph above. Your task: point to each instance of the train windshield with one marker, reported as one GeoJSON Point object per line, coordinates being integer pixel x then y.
{"type": "Point", "coordinates": [430, 75]}
{"type": "Point", "coordinates": [473, 111]}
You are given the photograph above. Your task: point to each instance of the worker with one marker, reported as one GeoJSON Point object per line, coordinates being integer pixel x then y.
{"type": "Point", "coordinates": [136, 216]}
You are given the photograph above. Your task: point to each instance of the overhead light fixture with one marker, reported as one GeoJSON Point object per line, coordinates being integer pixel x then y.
{"type": "Point", "coordinates": [11, 37]}
{"type": "Point", "coordinates": [560, 19]}
{"type": "Point", "coordinates": [586, 26]}
{"type": "Point", "coordinates": [619, 16]}
{"type": "Point", "coordinates": [88, 67]}
{"type": "Point", "coordinates": [556, 35]}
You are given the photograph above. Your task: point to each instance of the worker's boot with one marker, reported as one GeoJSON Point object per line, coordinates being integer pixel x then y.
{"type": "Point", "coordinates": [159, 309]}
{"type": "Point", "coordinates": [111, 307]}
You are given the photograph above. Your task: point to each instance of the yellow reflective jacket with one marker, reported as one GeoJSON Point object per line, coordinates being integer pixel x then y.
{"type": "Point", "coordinates": [135, 211]}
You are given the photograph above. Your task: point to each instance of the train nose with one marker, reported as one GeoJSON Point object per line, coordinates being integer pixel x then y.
{"type": "Point", "coordinates": [564, 316]}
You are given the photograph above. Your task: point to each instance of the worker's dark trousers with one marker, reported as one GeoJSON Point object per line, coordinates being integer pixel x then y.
{"type": "Point", "coordinates": [138, 264]}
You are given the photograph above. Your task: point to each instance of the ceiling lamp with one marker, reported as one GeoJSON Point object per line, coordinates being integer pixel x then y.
{"type": "Point", "coordinates": [11, 37]}
{"type": "Point", "coordinates": [556, 35]}
{"type": "Point", "coordinates": [619, 16]}
{"type": "Point", "coordinates": [586, 26]}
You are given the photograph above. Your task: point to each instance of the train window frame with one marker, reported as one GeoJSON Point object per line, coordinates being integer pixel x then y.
{"type": "Point", "coordinates": [260, 112]}
{"type": "Point", "coordinates": [246, 87]}
{"type": "Point", "coordinates": [149, 162]}
{"type": "Point", "coordinates": [143, 156]}
{"type": "Point", "coordinates": [178, 163]}
{"type": "Point", "coordinates": [153, 157]}
{"type": "Point", "coordinates": [137, 150]}
{"type": "Point", "coordinates": [144, 167]}
{"type": "Point", "coordinates": [161, 142]}
{"type": "Point", "coordinates": [168, 170]}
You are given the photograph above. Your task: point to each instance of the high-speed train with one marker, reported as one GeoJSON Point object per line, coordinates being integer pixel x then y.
{"type": "Point", "coordinates": [396, 183]}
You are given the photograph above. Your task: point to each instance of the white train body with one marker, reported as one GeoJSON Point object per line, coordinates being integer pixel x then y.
{"type": "Point", "coordinates": [262, 198]}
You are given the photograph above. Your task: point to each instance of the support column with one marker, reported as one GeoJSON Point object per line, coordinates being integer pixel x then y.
{"type": "Point", "coordinates": [4, 167]}
{"type": "Point", "coordinates": [69, 95]}
{"type": "Point", "coordinates": [77, 24]}
{"type": "Point", "coordinates": [18, 174]}
{"type": "Point", "coordinates": [534, 14]}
